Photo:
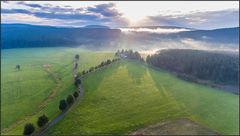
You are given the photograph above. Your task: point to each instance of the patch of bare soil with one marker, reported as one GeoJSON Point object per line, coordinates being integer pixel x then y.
{"type": "Point", "coordinates": [177, 127]}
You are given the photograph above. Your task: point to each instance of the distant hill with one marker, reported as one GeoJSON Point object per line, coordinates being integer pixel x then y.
{"type": "Point", "coordinates": [24, 36]}
{"type": "Point", "coordinates": [96, 26]}
{"type": "Point", "coordinates": [219, 35]}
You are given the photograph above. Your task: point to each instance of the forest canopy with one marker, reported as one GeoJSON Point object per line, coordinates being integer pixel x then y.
{"type": "Point", "coordinates": [218, 67]}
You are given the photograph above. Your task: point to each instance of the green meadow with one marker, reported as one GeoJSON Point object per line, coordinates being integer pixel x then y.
{"type": "Point", "coordinates": [119, 99]}
{"type": "Point", "coordinates": [45, 77]}
{"type": "Point", "coordinates": [130, 95]}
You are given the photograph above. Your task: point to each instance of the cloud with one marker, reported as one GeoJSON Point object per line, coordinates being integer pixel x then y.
{"type": "Point", "coordinates": [48, 7]}
{"type": "Point", "coordinates": [66, 16]}
{"type": "Point", "coordinates": [103, 14]}
{"type": "Point", "coordinates": [107, 10]}
{"type": "Point", "coordinates": [14, 11]}
{"type": "Point", "coordinates": [200, 20]}
{"type": "Point", "coordinates": [30, 5]}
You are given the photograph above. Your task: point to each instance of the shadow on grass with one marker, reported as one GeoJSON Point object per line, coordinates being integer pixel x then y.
{"type": "Point", "coordinates": [136, 73]}
{"type": "Point", "coordinates": [93, 81]}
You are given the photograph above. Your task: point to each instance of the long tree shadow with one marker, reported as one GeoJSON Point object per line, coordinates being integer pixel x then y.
{"type": "Point", "coordinates": [162, 80]}
{"type": "Point", "coordinates": [136, 70]}
{"type": "Point", "coordinates": [164, 84]}
{"type": "Point", "coordinates": [97, 77]}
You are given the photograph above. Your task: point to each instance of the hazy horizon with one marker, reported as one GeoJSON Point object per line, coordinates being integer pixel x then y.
{"type": "Point", "coordinates": [204, 15]}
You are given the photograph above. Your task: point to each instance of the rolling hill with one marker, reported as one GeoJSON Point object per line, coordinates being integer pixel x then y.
{"type": "Point", "coordinates": [120, 99]}
{"type": "Point", "coordinates": [44, 79]}
{"type": "Point", "coordinates": [130, 95]}
{"type": "Point", "coordinates": [97, 37]}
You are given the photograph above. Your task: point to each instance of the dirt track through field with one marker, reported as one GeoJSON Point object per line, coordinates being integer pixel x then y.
{"type": "Point", "coordinates": [60, 116]}
{"type": "Point", "coordinates": [57, 80]}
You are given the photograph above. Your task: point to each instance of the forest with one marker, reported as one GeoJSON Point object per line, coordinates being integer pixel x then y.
{"type": "Point", "coordinates": [217, 67]}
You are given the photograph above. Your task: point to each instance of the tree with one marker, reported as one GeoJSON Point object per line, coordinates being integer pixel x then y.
{"type": "Point", "coordinates": [70, 99]}
{"type": "Point", "coordinates": [62, 105]}
{"type": "Point", "coordinates": [148, 59]}
{"type": "Point", "coordinates": [42, 120]}
{"type": "Point", "coordinates": [108, 61]}
{"type": "Point", "coordinates": [117, 53]}
{"type": "Point", "coordinates": [102, 64]}
{"type": "Point", "coordinates": [77, 81]}
{"type": "Point", "coordinates": [91, 69]}
{"type": "Point", "coordinates": [28, 129]}
{"type": "Point", "coordinates": [79, 74]}
{"type": "Point", "coordinates": [131, 55]}
{"type": "Point", "coordinates": [17, 67]}
{"type": "Point", "coordinates": [83, 72]}
{"type": "Point", "coordinates": [75, 94]}
{"type": "Point", "coordinates": [77, 57]}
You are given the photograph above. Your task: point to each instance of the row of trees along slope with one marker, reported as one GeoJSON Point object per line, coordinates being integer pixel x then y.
{"type": "Point", "coordinates": [29, 128]}
{"type": "Point", "coordinates": [217, 67]}
{"type": "Point", "coordinates": [129, 54]}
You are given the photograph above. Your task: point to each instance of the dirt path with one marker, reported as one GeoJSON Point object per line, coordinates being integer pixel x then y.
{"type": "Point", "coordinates": [47, 68]}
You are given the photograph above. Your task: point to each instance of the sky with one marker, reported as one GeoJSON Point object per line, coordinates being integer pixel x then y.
{"type": "Point", "coordinates": [189, 14]}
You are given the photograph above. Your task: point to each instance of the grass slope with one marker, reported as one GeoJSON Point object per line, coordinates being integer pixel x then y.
{"type": "Point", "coordinates": [24, 92]}
{"type": "Point", "coordinates": [130, 95]}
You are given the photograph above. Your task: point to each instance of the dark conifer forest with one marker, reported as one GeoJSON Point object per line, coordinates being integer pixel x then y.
{"type": "Point", "coordinates": [218, 67]}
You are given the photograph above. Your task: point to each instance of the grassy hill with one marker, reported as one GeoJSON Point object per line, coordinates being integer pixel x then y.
{"type": "Point", "coordinates": [130, 95]}
{"type": "Point", "coordinates": [45, 78]}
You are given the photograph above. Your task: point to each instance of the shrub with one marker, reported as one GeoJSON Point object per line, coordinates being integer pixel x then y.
{"type": "Point", "coordinates": [83, 72]}
{"type": "Point", "coordinates": [108, 61]}
{"type": "Point", "coordinates": [79, 74]}
{"type": "Point", "coordinates": [102, 64]}
{"type": "Point", "coordinates": [42, 120]}
{"type": "Point", "coordinates": [77, 57]}
{"type": "Point", "coordinates": [28, 129]}
{"type": "Point", "coordinates": [70, 99]}
{"type": "Point", "coordinates": [91, 69]}
{"type": "Point", "coordinates": [62, 105]}
{"type": "Point", "coordinates": [76, 94]}
{"type": "Point", "coordinates": [77, 82]}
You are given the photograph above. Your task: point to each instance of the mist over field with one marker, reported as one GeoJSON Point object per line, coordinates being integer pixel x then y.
{"type": "Point", "coordinates": [143, 39]}
{"type": "Point", "coordinates": [119, 68]}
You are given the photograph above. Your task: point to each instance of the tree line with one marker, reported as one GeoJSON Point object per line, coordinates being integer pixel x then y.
{"type": "Point", "coordinates": [218, 67]}
{"type": "Point", "coordinates": [29, 128]}
{"type": "Point", "coordinates": [102, 64]}
{"type": "Point", "coordinates": [66, 103]}
{"type": "Point", "coordinates": [129, 54]}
